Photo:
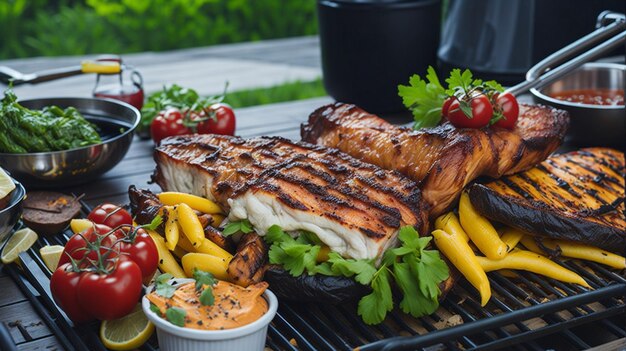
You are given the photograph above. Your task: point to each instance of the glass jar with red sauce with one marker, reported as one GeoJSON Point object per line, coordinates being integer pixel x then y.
{"type": "Point", "coordinates": [113, 86]}
{"type": "Point", "coordinates": [604, 97]}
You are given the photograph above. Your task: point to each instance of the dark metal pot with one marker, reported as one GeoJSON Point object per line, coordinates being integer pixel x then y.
{"type": "Point", "coordinates": [369, 47]}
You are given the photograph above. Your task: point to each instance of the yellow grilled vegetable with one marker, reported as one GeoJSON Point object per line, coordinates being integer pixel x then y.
{"type": "Point", "coordinates": [577, 250]}
{"type": "Point", "coordinates": [80, 225]}
{"type": "Point", "coordinates": [196, 202]}
{"type": "Point", "coordinates": [456, 249]}
{"type": "Point", "coordinates": [208, 263]}
{"type": "Point", "coordinates": [190, 224]}
{"type": "Point", "coordinates": [171, 229]}
{"type": "Point", "coordinates": [217, 220]}
{"type": "Point", "coordinates": [167, 263]}
{"type": "Point", "coordinates": [511, 237]}
{"type": "Point", "coordinates": [480, 230]}
{"type": "Point", "coordinates": [449, 223]}
{"type": "Point", "coordinates": [179, 252]}
{"type": "Point", "coordinates": [532, 262]}
{"type": "Point", "coordinates": [206, 247]}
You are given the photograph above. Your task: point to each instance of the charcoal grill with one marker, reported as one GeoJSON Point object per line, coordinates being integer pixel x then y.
{"type": "Point", "coordinates": [527, 312]}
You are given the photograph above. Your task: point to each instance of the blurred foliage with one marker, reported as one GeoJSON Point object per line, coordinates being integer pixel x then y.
{"type": "Point", "coordinates": [74, 27]}
{"type": "Point", "coordinates": [290, 91]}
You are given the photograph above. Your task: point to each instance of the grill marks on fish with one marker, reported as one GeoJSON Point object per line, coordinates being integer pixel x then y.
{"type": "Point", "coordinates": [442, 160]}
{"type": "Point", "coordinates": [308, 178]}
{"type": "Point", "coordinates": [578, 195]}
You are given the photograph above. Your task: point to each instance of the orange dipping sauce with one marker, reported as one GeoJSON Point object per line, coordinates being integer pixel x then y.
{"type": "Point", "coordinates": [605, 97]}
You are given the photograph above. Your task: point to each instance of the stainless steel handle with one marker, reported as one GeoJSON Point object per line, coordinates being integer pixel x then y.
{"type": "Point", "coordinates": [535, 78]}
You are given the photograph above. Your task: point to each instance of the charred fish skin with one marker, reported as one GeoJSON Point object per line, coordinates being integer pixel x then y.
{"type": "Point", "coordinates": [443, 159]}
{"type": "Point", "coordinates": [354, 207]}
{"type": "Point", "coordinates": [575, 196]}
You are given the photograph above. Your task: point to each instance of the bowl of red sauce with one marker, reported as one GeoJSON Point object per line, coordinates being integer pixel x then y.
{"type": "Point", "coordinates": [593, 95]}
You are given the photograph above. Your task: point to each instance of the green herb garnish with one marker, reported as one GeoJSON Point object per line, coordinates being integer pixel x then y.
{"type": "Point", "coordinates": [243, 226]}
{"type": "Point", "coordinates": [176, 316]}
{"type": "Point", "coordinates": [163, 288]}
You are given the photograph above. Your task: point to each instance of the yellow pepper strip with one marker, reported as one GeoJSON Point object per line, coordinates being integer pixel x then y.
{"type": "Point", "coordinates": [217, 220]}
{"type": "Point", "coordinates": [171, 229]}
{"type": "Point", "coordinates": [578, 250]}
{"type": "Point", "coordinates": [206, 247]}
{"type": "Point", "coordinates": [456, 249]}
{"type": "Point", "coordinates": [167, 263]}
{"type": "Point", "coordinates": [449, 223]}
{"type": "Point", "coordinates": [196, 202]}
{"type": "Point", "coordinates": [480, 230]}
{"type": "Point", "coordinates": [189, 222]}
{"type": "Point", "coordinates": [179, 252]}
{"type": "Point", "coordinates": [208, 263]}
{"type": "Point", "coordinates": [80, 225]}
{"type": "Point", "coordinates": [511, 237]}
{"type": "Point", "coordinates": [532, 262]}
{"type": "Point", "coordinates": [508, 273]}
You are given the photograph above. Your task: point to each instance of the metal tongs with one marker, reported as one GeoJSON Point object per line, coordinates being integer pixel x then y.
{"type": "Point", "coordinates": [9, 75]}
{"type": "Point", "coordinates": [610, 32]}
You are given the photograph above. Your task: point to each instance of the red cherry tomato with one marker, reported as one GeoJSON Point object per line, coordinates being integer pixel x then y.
{"type": "Point", "coordinates": [507, 104]}
{"type": "Point", "coordinates": [168, 123]}
{"type": "Point", "coordinates": [110, 215]}
{"type": "Point", "coordinates": [482, 111]}
{"type": "Point", "coordinates": [224, 123]}
{"type": "Point", "coordinates": [143, 251]}
{"type": "Point", "coordinates": [63, 286]}
{"type": "Point", "coordinates": [446, 106]}
{"type": "Point", "coordinates": [77, 247]}
{"type": "Point", "coordinates": [113, 295]}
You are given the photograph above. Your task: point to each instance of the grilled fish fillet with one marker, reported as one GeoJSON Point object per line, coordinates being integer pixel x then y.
{"type": "Point", "coordinates": [576, 196]}
{"type": "Point", "coordinates": [353, 207]}
{"type": "Point", "coordinates": [442, 159]}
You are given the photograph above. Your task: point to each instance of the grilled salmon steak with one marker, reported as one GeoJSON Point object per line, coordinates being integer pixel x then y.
{"type": "Point", "coordinates": [575, 196]}
{"type": "Point", "coordinates": [353, 207]}
{"type": "Point", "coordinates": [442, 159]}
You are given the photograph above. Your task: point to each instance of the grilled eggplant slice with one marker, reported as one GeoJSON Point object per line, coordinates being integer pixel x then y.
{"type": "Point", "coordinates": [248, 264]}
{"type": "Point", "coordinates": [575, 196]}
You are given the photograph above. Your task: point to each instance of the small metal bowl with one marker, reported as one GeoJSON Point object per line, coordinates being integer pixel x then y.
{"type": "Point", "coordinates": [116, 120]}
{"type": "Point", "coordinates": [12, 212]}
{"type": "Point", "coordinates": [590, 125]}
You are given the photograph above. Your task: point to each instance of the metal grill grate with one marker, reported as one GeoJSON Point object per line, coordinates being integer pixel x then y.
{"type": "Point", "coordinates": [528, 312]}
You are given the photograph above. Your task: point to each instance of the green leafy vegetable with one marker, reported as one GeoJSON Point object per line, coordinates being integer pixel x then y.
{"type": "Point", "coordinates": [163, 288]}
{"type": "Point", "coordinates": [206, 297]}
{"type": "Point", "coordinates": [51, 129]}
{"type": "Point", "coordinates": [414, 269]}
{"type": "Point", "coordinates": [176, 316]}
{"type": "Point", "coordinates": [155, 309]}
{"type": "Point", "coordinates": [203, 278]}
{"type": "Point", "coordinates": [425, 98]}
{"type": "Point", "coordinates": [243, 226]}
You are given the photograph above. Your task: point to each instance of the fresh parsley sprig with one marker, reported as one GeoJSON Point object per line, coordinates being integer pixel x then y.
{"type": "Point", "coordinates": [425, 98]}
{"type": "Point", "coordinates": [414, 269]}
{"type": "Point", "coordinates": [242, 226]}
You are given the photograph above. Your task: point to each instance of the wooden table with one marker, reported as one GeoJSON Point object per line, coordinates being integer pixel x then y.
{"type": "Point", "coordinates": [24, 323]}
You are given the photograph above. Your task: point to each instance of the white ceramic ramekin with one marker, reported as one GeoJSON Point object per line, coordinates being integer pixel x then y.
{"type": "Point", "coordinates": [248, 337]}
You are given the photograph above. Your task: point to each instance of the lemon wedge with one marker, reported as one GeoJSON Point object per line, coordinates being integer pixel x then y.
{"type": "Point", "coordinates": [51, 254]}
{"type": "Point", "coordinates": [6, 184]}
{"type": "Point", "coordinates": [80, 225]}
{"type": "Point", "coordinates": [128, 332]}
{"type": "Point", "coordinates": [19, 242]}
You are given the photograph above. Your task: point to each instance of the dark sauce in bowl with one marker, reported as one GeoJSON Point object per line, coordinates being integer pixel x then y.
{"type": "Point", "coordinates": [603, 97]}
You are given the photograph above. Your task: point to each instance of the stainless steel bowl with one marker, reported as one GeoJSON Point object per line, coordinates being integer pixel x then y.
{"type": "Point", "coordinates": [117, 122]}
{"type": "Point", "coordinates": [12, 212]}
{"type": "Point", "coordinates": [590, 125]}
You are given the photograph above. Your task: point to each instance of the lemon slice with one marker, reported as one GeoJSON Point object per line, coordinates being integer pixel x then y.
{"type": "Point", "coordinates": [19, 242]}
{"type": "Point", "coordinates": [6, 184]}
{"type": "Point", "coordinates": [51, 254]}
{"type": "Point", "coordinates": [80, 225]}
{"type": "Point", "coordinates": [128, 332]}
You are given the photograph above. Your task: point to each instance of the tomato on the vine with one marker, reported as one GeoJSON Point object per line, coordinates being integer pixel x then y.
{"type": "Point", "coordinates": [110, 215]}
{"type": "Point", "coordinates": [77, 247]}
{"type": "Point", "coordinates": [110, 295]}
{"type": "Point", "coordinates": [64, 289]}
{"type": "Point", "coordinates": [138, 246]}
{"type": "Point", "coordinates": [224, 122]}
{"type": "Point", "coordinates": [168, 123]}
{"type": "Point", "coordinates": [481, 112]}
{"type": "Point", "coordinates": [446, 106]}
{"type": "Point", "coordinates": [506, 104]}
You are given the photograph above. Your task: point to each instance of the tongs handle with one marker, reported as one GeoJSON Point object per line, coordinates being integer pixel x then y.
{"type": "Point", "coordinates": [535, 78]}
{"type": "Point", "coordinates": [9, 75]}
